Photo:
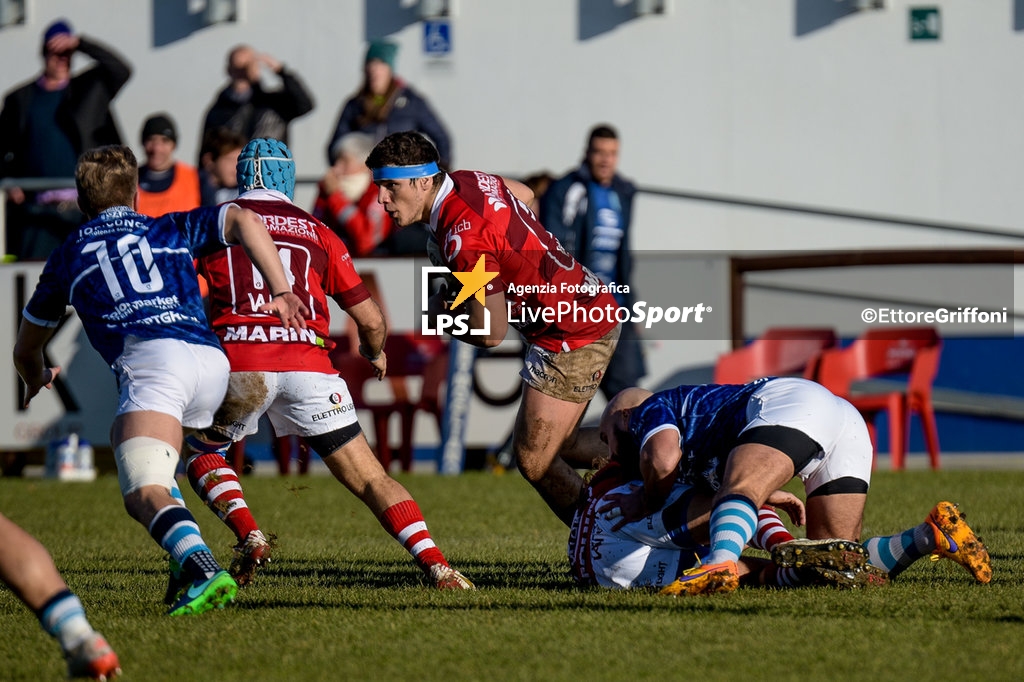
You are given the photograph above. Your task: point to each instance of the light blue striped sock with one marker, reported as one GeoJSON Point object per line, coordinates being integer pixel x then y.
{"type": "Point", "coordinates": [176, 494]}
{"type": "Point", "coordinates": [176, 530]}
{"type": "Point", "coordinates": [733, 522]}
{"type": "Point", "coordinates": [63, 617]}
{"type": "Point", "coordinates": [895, 553]}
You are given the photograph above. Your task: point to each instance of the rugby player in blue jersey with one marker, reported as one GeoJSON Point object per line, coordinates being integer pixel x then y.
{"type": "Point", "coordinates": [132, 283]}
{"type": "Point", "coordinates": [738, 444]}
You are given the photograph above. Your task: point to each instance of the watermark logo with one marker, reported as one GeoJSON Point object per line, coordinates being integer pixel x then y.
{"type": "Point", "coordinates": [970, 315]}
{"type": "Point", "coordinates": [474, 285]}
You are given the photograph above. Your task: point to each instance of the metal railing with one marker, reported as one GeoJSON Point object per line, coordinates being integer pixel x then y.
{"type": "Point", "coordinates": [805, 209]}
{"type": "Point", "coordinates": [34, 184]}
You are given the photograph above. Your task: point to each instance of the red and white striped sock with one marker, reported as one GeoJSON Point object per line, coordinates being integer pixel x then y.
{"type": "Point", "coordinates": [405, 523]}
{"type": "Point", "coordinates": [218, 486]}
{"type": "Point", "coordinates": [770, 529]}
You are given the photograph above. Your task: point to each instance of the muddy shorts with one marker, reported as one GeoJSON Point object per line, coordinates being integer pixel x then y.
{"type": "Point", "coordinates": [297, 403]}
{"type": "Point", "coordinates": [572, 375]}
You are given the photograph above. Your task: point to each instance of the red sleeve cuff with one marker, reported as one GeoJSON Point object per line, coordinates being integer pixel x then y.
{"type": "Point", "coordinates": [349, 298]}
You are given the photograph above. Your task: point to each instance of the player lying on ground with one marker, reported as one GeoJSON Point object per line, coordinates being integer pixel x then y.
{"type": "Point", "coordinates": [738, 444]}
{"type": "Point", "coordinates": [653, 551]}
{"type": "Point", "coordinates": [289, 377]}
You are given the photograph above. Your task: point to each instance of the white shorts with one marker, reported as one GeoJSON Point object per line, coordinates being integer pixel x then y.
{"type": "Point", "coordinates": [297, 403]}
{"type": "Point", "coordinates": [639, 554]}
{"type": "Point", "coordinates": [184, 380]}
{"type": "Point", "coordinates": [833, 423]}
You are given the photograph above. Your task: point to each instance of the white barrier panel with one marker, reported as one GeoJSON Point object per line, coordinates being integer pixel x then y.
{"type": "Point", "coordinates": [84, 398]}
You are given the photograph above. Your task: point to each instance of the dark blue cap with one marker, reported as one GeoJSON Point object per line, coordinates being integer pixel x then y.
{"type": "Point", "coordinates": [59, 27]}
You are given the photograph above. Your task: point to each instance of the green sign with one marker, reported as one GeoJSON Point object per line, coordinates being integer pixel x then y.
{"type": "Point", "coordinates": [925, 23]}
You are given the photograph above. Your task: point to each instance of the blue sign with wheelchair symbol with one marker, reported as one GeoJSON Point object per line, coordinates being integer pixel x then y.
{"type": "Point", "coordinates": [437, 37]}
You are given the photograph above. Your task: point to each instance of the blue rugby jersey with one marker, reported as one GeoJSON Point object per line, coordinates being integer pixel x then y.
{"type": "Point", "coordinates": [131, 275]}
{"type": "Point", "coordinates": [709, 418]}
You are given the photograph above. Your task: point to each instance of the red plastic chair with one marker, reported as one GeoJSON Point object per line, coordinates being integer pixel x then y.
{"type": "Point", "coordinates": [779, 351]}
{"type": "Point", "coordinates": [408, 356]}
{"type": "Point", "coordinates": [431, 400]}
{"type": "Point", "coordinates": [880, 352]}
{"type": "Point", "coordinates": [412, 356]}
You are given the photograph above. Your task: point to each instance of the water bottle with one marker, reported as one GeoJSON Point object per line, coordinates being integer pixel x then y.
{"type": "Point", "coordinates": [66, 456]}
{"type": "Point", "coordinates": [84, 459]}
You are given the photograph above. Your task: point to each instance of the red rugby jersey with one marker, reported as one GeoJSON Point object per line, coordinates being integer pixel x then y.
{"type": "Point", "coordinates": [318, 265]}
{"type": "Point", "coordinates": [475, 213]}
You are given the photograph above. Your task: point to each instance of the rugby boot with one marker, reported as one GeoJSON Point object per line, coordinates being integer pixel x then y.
{"type": "Point", "coordinates": [93, 658]}
{"type": "Point", "coordinates": [832, 553]}
{"type": "Point", "coordinates": [250, 555]}
{"type": "Point", "coordinates": [955, 540]}
{"type": "Point", "coordinates": [201, 596]}
{"type": "Point", "coordinates": [447, 578]}
{"type": "Point", "coordinates": [711, 579]}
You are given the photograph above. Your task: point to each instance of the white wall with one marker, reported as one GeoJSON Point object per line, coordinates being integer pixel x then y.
{"type": "Point", "coordinates": [734, 97]}
{"type": "Point", "coordinates": [784, 101]}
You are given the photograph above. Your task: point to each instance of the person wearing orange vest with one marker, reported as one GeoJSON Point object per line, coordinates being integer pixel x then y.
{"type": "Point", "coordinates": [165, 184]}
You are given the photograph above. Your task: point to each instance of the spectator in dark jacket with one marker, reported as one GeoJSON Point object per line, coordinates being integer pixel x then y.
{"type": "Point", "coordinates": [386, 104]}
{"type": "Point", "coordinates": [45, 125]}
{"type": "Point", "coordinates": [244, 107]}
{"type": "Point", "coordinates": [589, 211]}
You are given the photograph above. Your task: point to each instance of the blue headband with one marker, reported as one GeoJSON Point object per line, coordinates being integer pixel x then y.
{"type": "Point", "coordinates": [424, 170]}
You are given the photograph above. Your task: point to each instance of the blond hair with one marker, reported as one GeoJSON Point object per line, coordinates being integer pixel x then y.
{"type": "Point", "coordinates": [106, 176]}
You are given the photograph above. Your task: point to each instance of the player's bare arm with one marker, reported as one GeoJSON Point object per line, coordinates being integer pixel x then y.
{"type": "Point", "coordinates": [28, 359]}
{"type": "Point", "coordinates": [659, 463]}
{"type": "Point", "coordinates": [242, 226]}
{"type": "Point", "coordinates": [499, 318]}
{"type": "Point", "coordinates": [373, 331]}
{"type": "Point", "coordinates": [519, 190]}
{"type": "Point", "coordinates": [498, 325]}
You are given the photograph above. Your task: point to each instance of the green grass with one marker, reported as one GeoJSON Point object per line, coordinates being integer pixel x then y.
{"type": "Point", "coordinates": [341, 600]}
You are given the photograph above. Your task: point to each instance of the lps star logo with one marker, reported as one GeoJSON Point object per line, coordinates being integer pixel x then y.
{"type": "Point", "coordinates": [474, 285]}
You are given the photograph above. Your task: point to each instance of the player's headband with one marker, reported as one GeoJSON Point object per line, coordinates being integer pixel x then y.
{"type": "Point", "coordinates": [423, 170]}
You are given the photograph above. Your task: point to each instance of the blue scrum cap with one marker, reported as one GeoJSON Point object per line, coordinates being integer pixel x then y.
{"type": "Point", "coordinates": [266, 164]}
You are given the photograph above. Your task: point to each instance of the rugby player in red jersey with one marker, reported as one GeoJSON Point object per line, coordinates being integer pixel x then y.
{"type": "Point", "coordinates": [289, 376]}
{"type": "Point", "coordinates": [561, 309]}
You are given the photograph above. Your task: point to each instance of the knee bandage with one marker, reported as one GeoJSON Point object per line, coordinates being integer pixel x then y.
{"type": "Point", "coordinates": [143, 461]}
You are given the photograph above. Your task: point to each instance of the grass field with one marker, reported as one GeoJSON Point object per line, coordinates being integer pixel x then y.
{"type": "Point", "coordinates": [341, 600]}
